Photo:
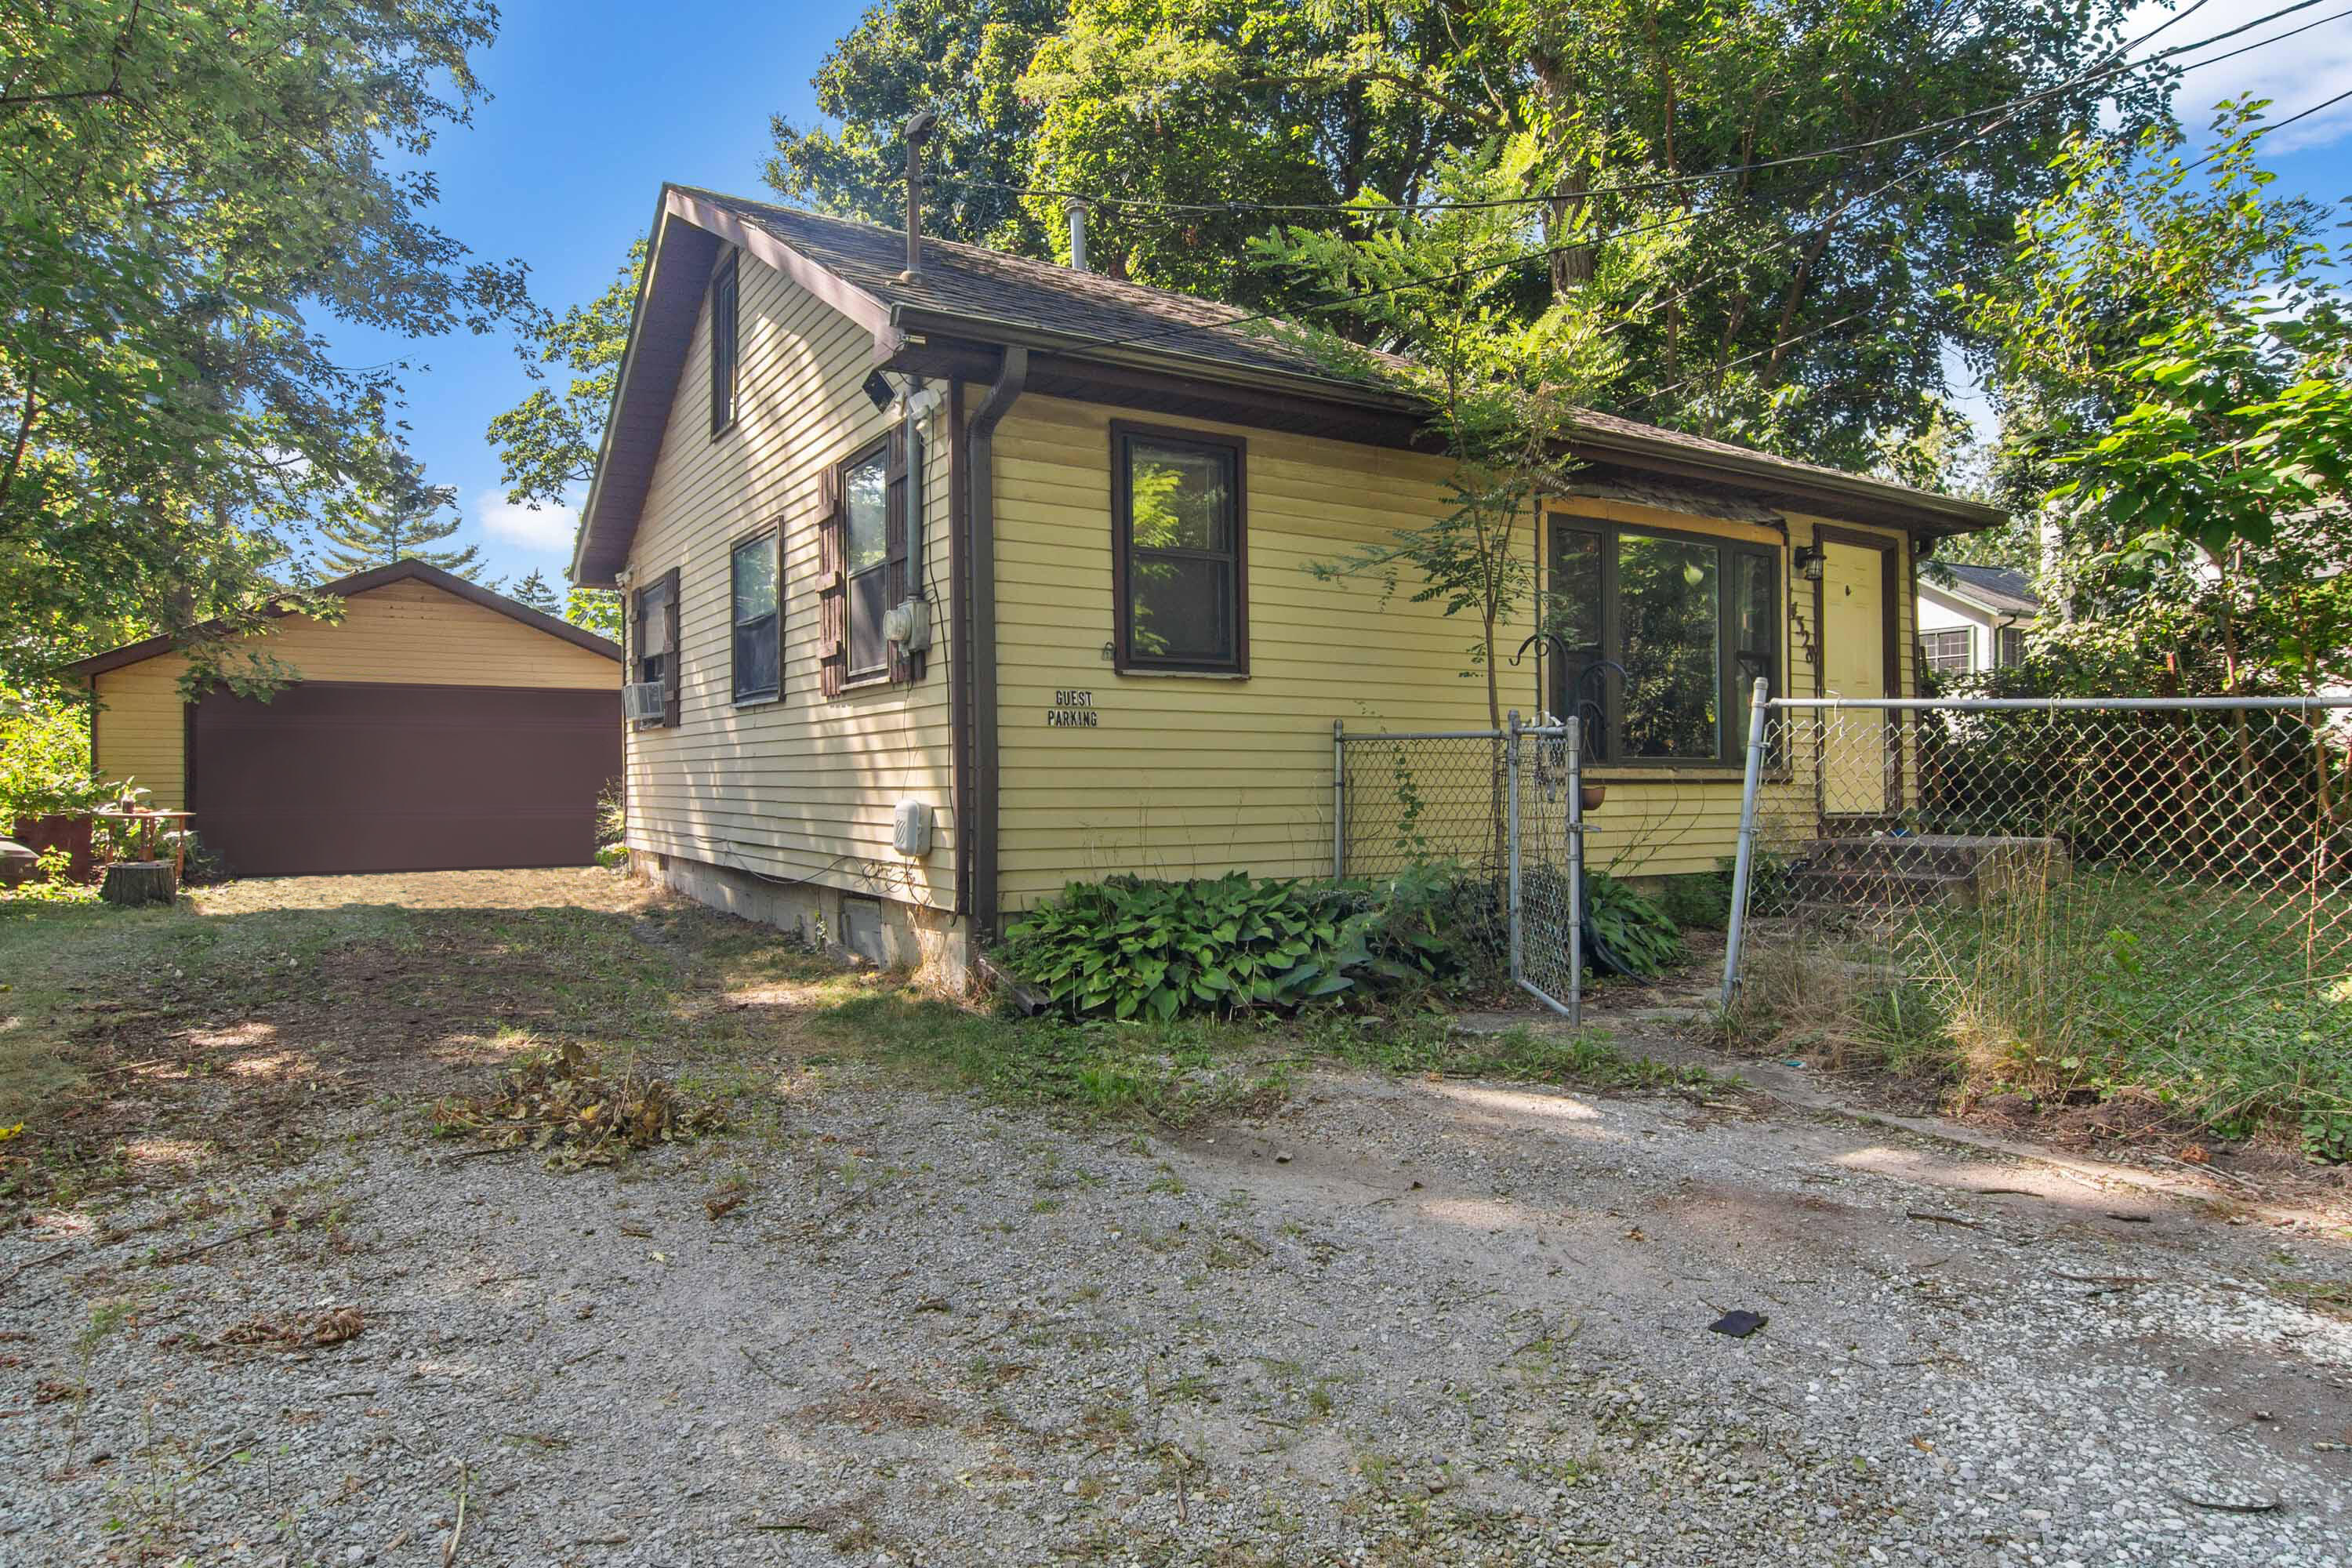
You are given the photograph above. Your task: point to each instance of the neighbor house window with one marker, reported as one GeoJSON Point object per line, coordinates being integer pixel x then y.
{"type": "Point", "coordinates": [1178, 551]}
{"type": "Point", "coordinates": [1947, 652]}
{"type": "Point", "coordinates": [752, 570]}
{"type": "Point", "coordinates": [865, 502]}
{"type": "Point", "coordinates": [2012, 647]}
{"type": "Point", "coordinates": [722, 346]}
{"type": "Point", "coordinates": [1665, 635]}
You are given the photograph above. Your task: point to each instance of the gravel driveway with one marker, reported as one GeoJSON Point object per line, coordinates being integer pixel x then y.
{"type": "Point", "coordinates": [1400, 1321]}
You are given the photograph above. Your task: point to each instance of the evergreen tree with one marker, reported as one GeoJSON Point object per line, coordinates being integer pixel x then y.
{"type": "Point", "coordinates": [399, 519]}
{"type": "Point", "coordinates": [534, 592]}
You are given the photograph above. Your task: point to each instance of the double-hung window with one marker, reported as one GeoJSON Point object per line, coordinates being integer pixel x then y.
{"type": "Point", "coordinates": [1665, 635]}
{"type": "Point", "coordinates": [1947, 651]}
{"type": "Point", "coordinates": [753, 578]}
{"type": "Point", "coordinates": [866, 506]}
{"type": "Point", "coordinates": [2011, 647]}
{"type": "Point", "coordinates": [1179, 552]}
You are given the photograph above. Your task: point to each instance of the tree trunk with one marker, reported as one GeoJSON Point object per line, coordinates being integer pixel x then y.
{"type": "Point", "coordinates": [130, 883]}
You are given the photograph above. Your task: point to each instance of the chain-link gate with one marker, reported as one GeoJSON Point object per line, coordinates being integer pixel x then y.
{"type": "Point", "coordinates": [1495, 815]}
{"type": "Point", "coordinates": [2076, 879]}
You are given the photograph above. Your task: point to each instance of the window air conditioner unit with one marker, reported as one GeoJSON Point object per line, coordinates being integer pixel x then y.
{"type": "Point", "coordinates": [643, 699]}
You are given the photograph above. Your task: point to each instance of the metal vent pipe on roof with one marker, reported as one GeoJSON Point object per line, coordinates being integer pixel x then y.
{"type": "Point", "coordinates": [918, 131]}
{"type": "Point", "coordinates": [1077, 211]}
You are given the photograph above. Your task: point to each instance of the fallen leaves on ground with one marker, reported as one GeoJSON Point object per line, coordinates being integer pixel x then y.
{"type": "Point", "coordinates": [563, 1102]}
{"type": "Point", "coordinates": [296, 1333]}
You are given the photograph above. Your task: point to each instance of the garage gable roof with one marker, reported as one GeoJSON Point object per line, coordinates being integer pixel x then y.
{"type": "Point", "coordinates": [361, 583]}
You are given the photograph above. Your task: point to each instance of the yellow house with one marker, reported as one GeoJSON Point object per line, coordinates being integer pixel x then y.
{"type": "Point", "coordinates": [954, 577]}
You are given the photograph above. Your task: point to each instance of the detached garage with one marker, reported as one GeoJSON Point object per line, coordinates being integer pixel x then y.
{"type": "Point", "coordinates": [439, 726]}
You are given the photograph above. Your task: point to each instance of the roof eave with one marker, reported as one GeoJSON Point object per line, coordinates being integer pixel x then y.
{"type": "Point", "coordinates": [656, 234]}
{"type": "Point", "coordinates": [1924, 513]}
{"type": "Point", "coordinates": [912, 322]}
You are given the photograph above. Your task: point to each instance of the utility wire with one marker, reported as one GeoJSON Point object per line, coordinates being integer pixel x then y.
{"type": "Point", "coordinates": [1892, 183]}
{"type": "Point", "coordinates": [2110, 67]}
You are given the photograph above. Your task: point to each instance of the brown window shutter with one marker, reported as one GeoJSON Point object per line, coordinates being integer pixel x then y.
{"type": "Point", "coordinates": [894, 575]}
{"type": "Point", "coordinates": [669, 651]}
{"type": "Point", "coordinates": [832, 585]}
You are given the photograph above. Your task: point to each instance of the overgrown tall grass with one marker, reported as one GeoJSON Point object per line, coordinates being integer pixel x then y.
{"type": "Point", "coordinates": [2207, 996]}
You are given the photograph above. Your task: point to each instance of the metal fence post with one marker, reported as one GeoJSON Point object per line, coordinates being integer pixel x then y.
{"type": "Point", "coordinates": [1338, 800]}
{"type": "Point", "coordinates": [1511, 907]}
{"type": "Point", "coordinates": [1743, 863]}
{"type": "Point", "coordinates": [1575, 872]}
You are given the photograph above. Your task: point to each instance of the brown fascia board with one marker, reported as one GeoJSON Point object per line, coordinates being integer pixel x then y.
{"type": "Point", "coordinates": [1344, 412]}
{"type": "Point", "coordinates": [661, 327]}
{"type": "Point", "coordinates": [669, 296]}
{"type": "Point", "coordinates": [344, 588]}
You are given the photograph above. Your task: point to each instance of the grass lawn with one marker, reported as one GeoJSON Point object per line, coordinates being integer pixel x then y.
{"type": "Point", "coordinates": [140, 1045]}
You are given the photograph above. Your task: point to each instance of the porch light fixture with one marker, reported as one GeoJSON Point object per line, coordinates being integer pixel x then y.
{"type": "Point", "coordinates": [1807, 560]}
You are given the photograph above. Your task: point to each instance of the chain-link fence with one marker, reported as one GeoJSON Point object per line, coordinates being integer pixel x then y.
{"type": "Point", "coordinates": [1449, 808]}
{"type": "Point", "coordinates": [2068, 892]}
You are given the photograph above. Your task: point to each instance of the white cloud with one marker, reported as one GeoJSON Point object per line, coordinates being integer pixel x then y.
{"type": "Point", "coordinates": [2294, 73]}
{"type": "Point", "coordinates": [535, 528]}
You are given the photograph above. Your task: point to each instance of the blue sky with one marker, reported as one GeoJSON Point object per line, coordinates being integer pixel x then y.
{"type": "Point", "coordinates": [597, 101]}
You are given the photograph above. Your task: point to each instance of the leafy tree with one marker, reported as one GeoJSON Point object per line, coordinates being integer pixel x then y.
{"type": "Point", "coordinates": [1804, 311]}
{"type": "Point", "coordinates": [596, 609]}
{"type": "Point", "coordinates": [547, 443]}
{"type": "Point", "coordinates": [2171, 352]}
{"type": "Point", "coordinates": [964, 57]}
{"type": "Point", "coordinates": [1500, 390]}
{"type": "Point", "coordinates": [400, 519]}
{"type": "Point", "coordinates": [534, 593]}
{"type": "Point", "coordinates": [1202, 101]}
{"type": "Point", "coordinates": [189, 190]}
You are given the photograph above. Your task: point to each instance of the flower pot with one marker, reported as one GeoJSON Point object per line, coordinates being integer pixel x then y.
{"type": "Point", "coordinates": [1591, 795]}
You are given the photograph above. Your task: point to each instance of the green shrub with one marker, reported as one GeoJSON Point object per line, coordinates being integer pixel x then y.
{"type": "Point", "coordinates": [1129, 948]}
{"type": "Point", "coordinates": [45, 756]}
{"type": "Point", "coordinates": [1631, 926]}
{"type": "Point", "coordinates": [1701, 898]}
{"type": "Point", "coordinates": [1771, 882]}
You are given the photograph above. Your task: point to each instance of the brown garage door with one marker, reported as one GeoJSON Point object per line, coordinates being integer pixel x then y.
{"type": "Point", "coordinates": [339, 776]}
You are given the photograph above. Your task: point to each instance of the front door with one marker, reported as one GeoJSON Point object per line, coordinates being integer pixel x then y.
{"type": "Point", "coordinates": [1854, 664]}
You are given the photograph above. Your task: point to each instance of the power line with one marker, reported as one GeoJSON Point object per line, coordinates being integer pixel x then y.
{"type": "Point", "coordinates": [2017, 108]}
{"type": "Point", "coordinates": [2112, 65]}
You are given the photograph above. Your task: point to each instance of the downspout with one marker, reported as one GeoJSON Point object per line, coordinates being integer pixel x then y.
{"type": "Point", "coordinates": [980, 516]}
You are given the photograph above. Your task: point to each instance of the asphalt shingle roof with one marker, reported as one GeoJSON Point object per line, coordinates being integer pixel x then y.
{"type": "Point", "coordinates": [2002, 587]}
{"type": "Point", "coordinates": [971, 281]}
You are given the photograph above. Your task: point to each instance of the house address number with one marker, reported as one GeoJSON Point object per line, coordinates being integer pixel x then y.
{"type": "Point", "coordinates": [1073, 710]}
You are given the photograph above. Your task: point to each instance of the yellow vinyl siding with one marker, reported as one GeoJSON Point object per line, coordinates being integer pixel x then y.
{"type": "Point", "coordinates": [796, 788]}
{"type": "Point", "coordinates": [1188, 775]}
{"type": "Point", "coordinates": [402, 633]}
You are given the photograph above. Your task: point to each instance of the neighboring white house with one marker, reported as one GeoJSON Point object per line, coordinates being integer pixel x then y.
{"type": "Point", "coordinates": [1977, 621]}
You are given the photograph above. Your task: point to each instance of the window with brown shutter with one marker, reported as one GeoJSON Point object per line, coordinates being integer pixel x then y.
{"type": "Point", "coordinates": [833, 587]}
{"type": "Point", "coordinates": [865, 565]}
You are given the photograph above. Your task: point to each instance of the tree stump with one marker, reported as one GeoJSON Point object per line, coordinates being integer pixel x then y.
{"type": "Point", "coordinates": [133, 882]}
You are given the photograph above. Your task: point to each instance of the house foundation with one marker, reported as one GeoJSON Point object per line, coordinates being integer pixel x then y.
{"type": "Point", "coordinates": [931, 946]}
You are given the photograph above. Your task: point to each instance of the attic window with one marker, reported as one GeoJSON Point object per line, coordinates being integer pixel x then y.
{"type": "Point", "coordinates": [722, 346]}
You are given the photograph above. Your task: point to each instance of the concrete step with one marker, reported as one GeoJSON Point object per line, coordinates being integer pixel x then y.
{"type": "Point", "coordinates": [1850, 885]}
{"type": "Point", "coordinates": [1962, 854]}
